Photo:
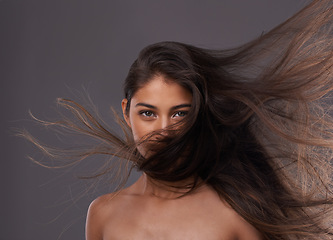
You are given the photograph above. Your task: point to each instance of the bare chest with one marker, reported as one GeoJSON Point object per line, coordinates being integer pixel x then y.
{"type": "Point", "coordinates": [167, 224]}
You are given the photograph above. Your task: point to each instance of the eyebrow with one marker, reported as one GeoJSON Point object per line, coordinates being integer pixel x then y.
{"type": "Point", "coordinates": [145, 105]}
{"type": "Point", "coordinates": [154, 107]}
{"type": "Point", "coordinates": [181, 106]}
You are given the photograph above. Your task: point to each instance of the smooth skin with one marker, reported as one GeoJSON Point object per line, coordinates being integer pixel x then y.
{"type": "Point", "coordinates": [148, 210]}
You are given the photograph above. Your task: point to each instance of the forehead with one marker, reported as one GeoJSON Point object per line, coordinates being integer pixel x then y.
{"type": "Point", "coordinates": [160, 90]}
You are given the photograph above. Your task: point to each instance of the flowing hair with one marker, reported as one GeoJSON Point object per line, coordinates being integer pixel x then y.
{"type": "Point", "coordinates": [260, 127]}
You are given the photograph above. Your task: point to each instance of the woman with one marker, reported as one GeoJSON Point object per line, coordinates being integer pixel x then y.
{"type": "Point", "coordinates": [153, 209]}
{"type": "Point", "coordinates": [232, 144]}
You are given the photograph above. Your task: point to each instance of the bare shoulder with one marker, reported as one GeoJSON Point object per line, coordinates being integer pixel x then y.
{"type": "Point", "coordinates": [102, 201]}
{"type": "Point", "coordinates": [98, 212]}
{"type": "Point", "coordinates": [230, 223]}
{"type": "Point", "coordinates": [242, 230]}
{"type": "Point", "coordinates": [104, 211]}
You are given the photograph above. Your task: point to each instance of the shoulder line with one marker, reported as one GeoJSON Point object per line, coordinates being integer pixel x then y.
{"type": "Point", "coordinates": [99, 210]}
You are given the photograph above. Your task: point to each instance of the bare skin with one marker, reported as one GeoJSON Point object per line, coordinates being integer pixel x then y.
{"type": "Point", "coordinates": [148, 209]}
{"type": "Point", "coordinates": [144, 211]}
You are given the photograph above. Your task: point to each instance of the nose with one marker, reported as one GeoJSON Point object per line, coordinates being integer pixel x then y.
{"type": "Point", "coordinates": [165, 122]}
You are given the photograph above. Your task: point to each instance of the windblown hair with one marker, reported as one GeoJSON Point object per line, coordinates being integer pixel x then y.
{"type": "Point", "coordinates": [261, 114]}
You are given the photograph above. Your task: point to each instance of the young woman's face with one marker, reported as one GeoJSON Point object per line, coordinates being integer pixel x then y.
{"type": "Point", "coordinates": [155, 106]}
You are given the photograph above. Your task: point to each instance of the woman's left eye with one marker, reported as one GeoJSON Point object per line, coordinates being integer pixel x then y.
{"type": "Point", "coordinates": [180, 114]}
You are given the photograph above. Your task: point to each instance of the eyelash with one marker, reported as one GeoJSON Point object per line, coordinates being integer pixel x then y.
{"type": "Point", "coordinates": [184, 113]}
{"type": "Point", "coordinates": [148, 113]}
{"type": "Point", "coordinates": [144, 113]}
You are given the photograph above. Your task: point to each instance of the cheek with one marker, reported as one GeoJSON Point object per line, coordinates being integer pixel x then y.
{"type": "Point", "coordinates": [138, 133]}
{"type": "Point", "coordinates": [139, 128]}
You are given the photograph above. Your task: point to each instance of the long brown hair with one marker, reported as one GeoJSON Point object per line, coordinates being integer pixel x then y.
{"type": "Point", "coordinates": [261, 115]}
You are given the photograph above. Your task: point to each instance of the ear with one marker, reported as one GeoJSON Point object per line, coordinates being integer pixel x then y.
{"type": "Point", "coordinates": [126, 116]}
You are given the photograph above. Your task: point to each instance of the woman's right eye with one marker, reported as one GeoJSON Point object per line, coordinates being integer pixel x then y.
{"type": "Point", "coordinates": [147, 113]}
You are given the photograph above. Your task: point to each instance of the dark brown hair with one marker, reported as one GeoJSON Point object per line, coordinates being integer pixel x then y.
{"type": "Point", "coordinates": [261, 115]}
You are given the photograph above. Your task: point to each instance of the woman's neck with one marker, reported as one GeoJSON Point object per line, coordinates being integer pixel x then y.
{"type": "Point", "coordinates": [151, 187]}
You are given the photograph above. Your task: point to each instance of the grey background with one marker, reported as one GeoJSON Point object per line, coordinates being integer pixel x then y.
{"type": "Point", "coordinates": [59, 48]}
